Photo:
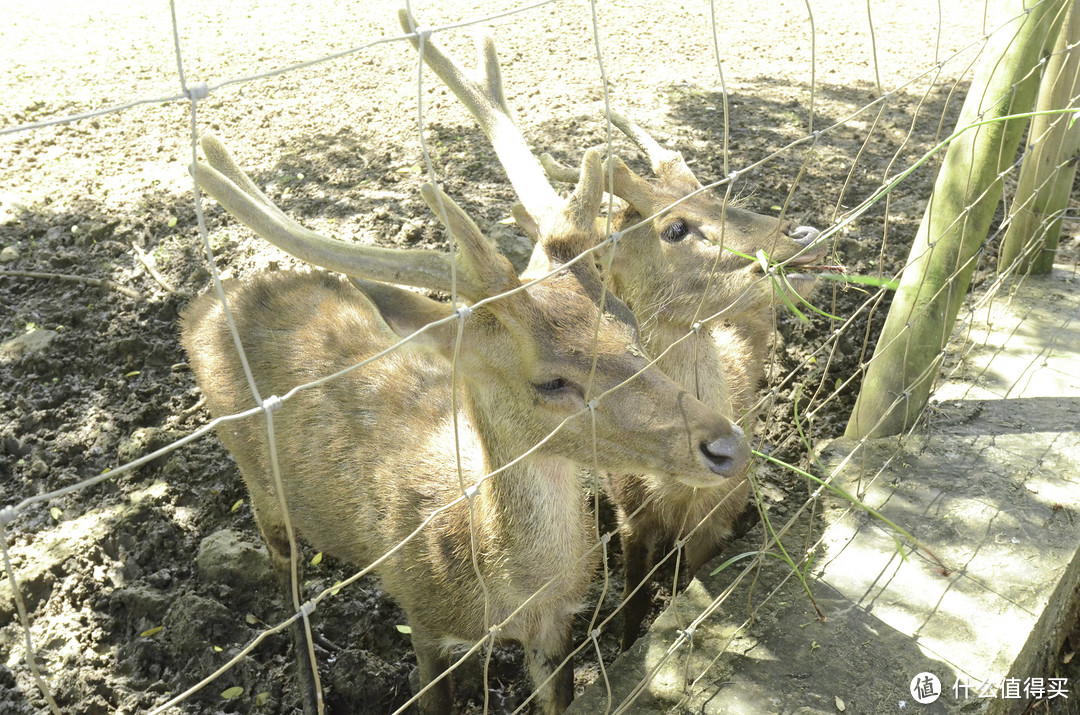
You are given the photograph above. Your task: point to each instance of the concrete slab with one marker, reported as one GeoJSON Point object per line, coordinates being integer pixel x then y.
{"type": "Point", "coordinates": [990, 488]}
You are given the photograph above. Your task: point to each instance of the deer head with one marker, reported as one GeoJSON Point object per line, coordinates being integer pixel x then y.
{"type": "Point", "coordinates": [533, 353]}
{"type": "Point", "coordinates": [686, 246]}
{"type": "Point", "coordinates": [681, 248]}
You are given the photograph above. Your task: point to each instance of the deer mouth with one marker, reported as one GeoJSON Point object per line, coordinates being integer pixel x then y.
{"type": "Point", "coordinates": [811, 271]}
{"type": "Point", "coordinates": [804, 266]}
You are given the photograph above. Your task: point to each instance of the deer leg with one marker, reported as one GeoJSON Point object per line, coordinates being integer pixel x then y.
{"type": "Point", "coordinates": [747, 520]}
{"type": "Point", "coordinates": [277, 542]}
{"type": "Point", "coordinates": [431, 662]}
{"type": "Point", "coordinates": [710, 541]}
{"type": "Point", "coordinates": [696, 551]}
{"type": "Point", "coordinates": [553, 686]}
{"type": "Point", "coordinates": [638, 559]}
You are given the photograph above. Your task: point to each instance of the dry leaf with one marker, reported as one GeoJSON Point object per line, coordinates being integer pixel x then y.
{"type": "Point", "coordinates": [233, 692]}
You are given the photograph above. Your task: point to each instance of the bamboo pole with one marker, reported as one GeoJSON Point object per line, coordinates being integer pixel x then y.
{"type": "Point", "coordinates": [899, 377]}
{"type": "Point", "coordinates": [1046, 175]}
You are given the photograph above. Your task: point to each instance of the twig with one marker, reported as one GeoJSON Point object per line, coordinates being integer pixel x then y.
{"type": "Point", "coordinates": [145, 260]}
{"type": "Point", "coordinates": [99, 282]}
{"type": "Point", "coordinates": [184, 414]}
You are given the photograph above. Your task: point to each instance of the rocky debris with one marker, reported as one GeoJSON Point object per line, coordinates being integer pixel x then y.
{"type": "Point", "coordinates": [36, 341]}
{"type": "Point", "coordinates": [516, 247]}
{"type": "Point", "coordinates": [225, 557]}
{"type": "Point", "coordinates": [144, 441]}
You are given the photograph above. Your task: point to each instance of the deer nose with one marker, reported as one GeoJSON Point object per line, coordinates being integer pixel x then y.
{"type": "Point", "coordinates": [804, 235]}
{"type": "Point", "coordinates": [729, 455]}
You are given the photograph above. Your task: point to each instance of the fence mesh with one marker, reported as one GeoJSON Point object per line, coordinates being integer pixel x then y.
{"type": "Point", "coordinates": [136, 579]}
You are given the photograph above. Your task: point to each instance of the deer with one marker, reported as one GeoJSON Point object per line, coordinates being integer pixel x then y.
{"type": "Point", "coordinates": [474, 429]}
{"type": "Point", "coordinates": [701, 274]}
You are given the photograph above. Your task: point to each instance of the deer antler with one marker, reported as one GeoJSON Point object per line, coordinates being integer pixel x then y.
{"type": "Point", "coordinates": [482, 271]}
{"type": "Point", "coordinates": [667, 164]}
{"type": "Point", "coordinates": [483, 95]}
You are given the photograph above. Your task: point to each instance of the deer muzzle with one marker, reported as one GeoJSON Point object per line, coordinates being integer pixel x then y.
{"type": "Point", "coordinates": [727, 456]}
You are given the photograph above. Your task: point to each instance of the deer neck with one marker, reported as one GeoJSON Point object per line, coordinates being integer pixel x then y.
{"type": "Point", "coordinates": [534, 509]}
{"type": "Point", "coordinates": [696, 362]}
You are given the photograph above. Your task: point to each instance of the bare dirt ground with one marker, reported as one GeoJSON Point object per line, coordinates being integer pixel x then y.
{"type": "Point", "coordinates": [122, 612]}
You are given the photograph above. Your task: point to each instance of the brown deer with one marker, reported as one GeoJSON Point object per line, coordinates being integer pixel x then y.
{"type": "Point", "coordinates": [687, 263]}
{"type": "Point", "coordinates": [548, 375]}
{"type": "Point", "coordinates": [706, 311]}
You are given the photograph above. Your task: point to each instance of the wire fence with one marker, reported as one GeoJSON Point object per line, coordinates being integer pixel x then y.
{"type": "Point", "coordinates": [713, 325]}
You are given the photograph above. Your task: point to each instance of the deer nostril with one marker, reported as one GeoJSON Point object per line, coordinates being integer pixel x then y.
{"type": "Point", "coordinates": [804, 235]}
{"type": "Point", "coordinates": [727, 456]}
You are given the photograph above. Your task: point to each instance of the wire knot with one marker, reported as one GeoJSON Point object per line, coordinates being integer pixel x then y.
{"type": "Point", "coordinates": [592, 405]}
{"type": "Point", "coordinates": [614, 237]}
{"type": "Point", "coordinates": [271, 403]}
{"type": "Point", "coordinates": [689, 633]}
{"type": "Point", "coordinates": [423, 32]}
{"type": "Point", "coordinates": [307, 608]}
{"type": "Point", "coordinates": [471, 492]}
{"type": "Point", "coordinates": [197, 91]}
{"type": "Point", "coordinates": [696, 327]}
{"type": "Point", "coordinates": [463, 312]}
{"type": "Point", "coordinates": [733, 176]}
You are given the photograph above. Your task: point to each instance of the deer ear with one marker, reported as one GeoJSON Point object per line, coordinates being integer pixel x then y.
{"type": "Point", "coordinates": [406, 312]}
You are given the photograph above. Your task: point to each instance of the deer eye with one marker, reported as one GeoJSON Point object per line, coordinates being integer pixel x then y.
{"type": "Point", "coordinates": [676, 232]}
{"type": "Point", "coordinates": [552, 387]}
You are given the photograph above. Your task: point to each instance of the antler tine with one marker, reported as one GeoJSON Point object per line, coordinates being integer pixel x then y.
{"type": "Point", "coordinates": [658, 155]}
{"type": "Point", "coordinates": [666, 163]}
{"type": "Point", "coordinates": [557, 171]}
{"type": "Point", "coordinates": [486, 101]}
{"type": "Point", "coordinates": [485, 271]}
{"type": "Point", "coordinates": [489, 58]}
{"type": "Point", "coordinates": [584, 204]}
{"type": "Point", "coordinates": [225, 181]}
{"type": "Point", "coordinates": [625, 184]}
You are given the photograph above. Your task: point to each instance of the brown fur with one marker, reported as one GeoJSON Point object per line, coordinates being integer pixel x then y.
{"type": "Point", "coordinates": [670, 286]}
{"type": "Point", "coordinates": [367, 457]}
